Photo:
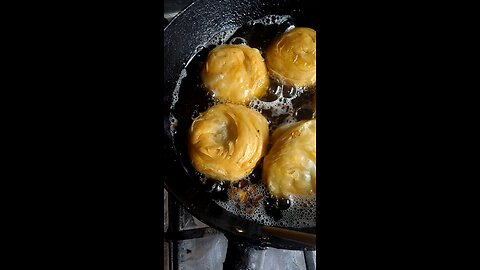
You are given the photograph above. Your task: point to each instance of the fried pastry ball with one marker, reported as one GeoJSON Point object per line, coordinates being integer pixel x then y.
{"type": "Point", "coordinates": [291, 58]}
{"type": "Point", "coordinates": [289, 168]}
{"type": "Point", "coordinates": [235, 73]}
{"type": "Point", "coordinates": [227, 141]}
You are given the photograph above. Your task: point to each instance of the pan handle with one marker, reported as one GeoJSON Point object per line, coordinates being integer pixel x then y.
{"type": "Point", "coordinates": [242, 255]}
{"type": "Point", "coordinates": [307, 239]}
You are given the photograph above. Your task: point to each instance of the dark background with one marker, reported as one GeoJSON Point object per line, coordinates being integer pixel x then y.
{"type": "Point", "coordinates": [83, 156]}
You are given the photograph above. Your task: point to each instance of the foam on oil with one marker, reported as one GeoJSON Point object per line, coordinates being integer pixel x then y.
{"type": "Point", "coordinates": [301, 213]}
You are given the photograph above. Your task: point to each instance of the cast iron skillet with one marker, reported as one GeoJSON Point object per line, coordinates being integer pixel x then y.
{"type": "Point", "coordinates": [193, 27]}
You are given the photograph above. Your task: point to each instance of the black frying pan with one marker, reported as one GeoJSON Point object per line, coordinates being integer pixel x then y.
{"type": "Point", "coordinates": [193, 27]}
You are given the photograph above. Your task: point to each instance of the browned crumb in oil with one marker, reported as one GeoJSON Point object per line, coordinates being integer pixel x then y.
{"type": "Point", "coordinates": [242, 196]}
{"type": "Point", "coordinates": [245, 197]}
{"type": "Point", "coordinates": [255, 201]}
{"type": "Point", "coordinates": [232, 193]}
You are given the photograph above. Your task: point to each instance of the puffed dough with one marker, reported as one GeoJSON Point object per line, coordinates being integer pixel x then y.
{"type": "Point", "coordinates": [289, 168]}
{"type": "Point", "coordinates": [235, 73]}
{"type": "Point", "coordinates": [227, 141]}
{"type": "Point", "coordinates": [291, 58]}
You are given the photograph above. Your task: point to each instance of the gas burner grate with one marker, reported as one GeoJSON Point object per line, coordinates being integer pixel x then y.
{"type": "Point", "coordinates": [190, 243]}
